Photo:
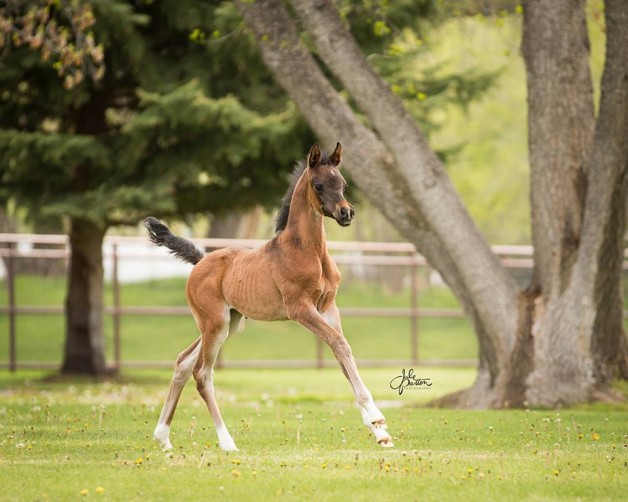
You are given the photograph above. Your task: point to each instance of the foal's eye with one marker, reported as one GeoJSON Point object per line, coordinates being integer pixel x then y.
{"type": "Point", "coordinates": [318, 187]}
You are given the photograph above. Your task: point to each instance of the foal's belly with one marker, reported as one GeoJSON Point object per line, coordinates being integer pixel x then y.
{"type": "Point", "coordinates": [249, 288]}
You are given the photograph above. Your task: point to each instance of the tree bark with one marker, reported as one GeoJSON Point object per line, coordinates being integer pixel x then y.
{"type": "Point", "coordinates": [521, 335]}
{"type": "Point", "coordinates": [579, 341]}
{"type": "Point", "coordinates": [607, 201]}
{"type": "Point", "coordinates": [84, 342]}
{"type": "Point", "coordinates": [560, 134]}
{"type": "Point", "coordinates": [235, 225]}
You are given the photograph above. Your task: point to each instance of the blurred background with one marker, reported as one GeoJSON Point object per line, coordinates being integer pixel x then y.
{"type": "Point", "coordinates": [112, 111]}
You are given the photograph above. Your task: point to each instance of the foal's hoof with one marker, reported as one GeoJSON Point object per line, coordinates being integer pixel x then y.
{"type": "Point", "coordinates": [165, 445]}
{"type": "Point", "coordinates": [381, 434]}
{"type": "Point", "coordinates": [162, 436]}
{"type": "Point", "coordinates": [386, 442]}
{"type": "Point", "coordinates": [227, 444]}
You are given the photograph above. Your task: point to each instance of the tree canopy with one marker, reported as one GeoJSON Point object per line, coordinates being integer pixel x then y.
{"type": "Point", "coordinates": [112, 109]}
{"type": "Point", "coordinates": [160, 129]}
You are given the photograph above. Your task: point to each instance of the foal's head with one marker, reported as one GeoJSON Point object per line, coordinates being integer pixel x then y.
{"type": "Point", "coordinates": [327, 186]}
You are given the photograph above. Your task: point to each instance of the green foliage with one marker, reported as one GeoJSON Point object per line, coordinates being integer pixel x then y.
{"type": "Point", "coordinates": [62, 33]}
{"type": "Point", "coordinates": [179, 123]}
{"type": "Point", "coordinates": [186, 118]}
{"type": "Point", "coordinates": [396, 36]}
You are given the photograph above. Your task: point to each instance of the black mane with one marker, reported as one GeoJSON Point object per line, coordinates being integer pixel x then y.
{"type": "Point", "coordinates": [282, 216]}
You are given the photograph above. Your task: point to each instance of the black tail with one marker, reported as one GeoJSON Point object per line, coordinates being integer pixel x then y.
{"type": "Point", "coordinates": [161, 235]}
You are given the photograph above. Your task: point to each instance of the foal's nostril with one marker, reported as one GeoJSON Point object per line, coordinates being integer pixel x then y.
{"type": "Point", "coordinates": [347, 213]}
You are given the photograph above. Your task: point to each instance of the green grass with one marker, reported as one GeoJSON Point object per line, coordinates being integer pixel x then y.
{"type": "Point", "coordinates": [300, 437]}
{"type": "Point", "coordinates": [161, 338]}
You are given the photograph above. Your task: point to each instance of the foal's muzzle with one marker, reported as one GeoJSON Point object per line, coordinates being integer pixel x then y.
{"type": "Point", "coordinates": [344, 215]}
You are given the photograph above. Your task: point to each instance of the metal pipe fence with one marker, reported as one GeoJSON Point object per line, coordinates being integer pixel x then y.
{"type": "Point", "coordinates": [364, 254]}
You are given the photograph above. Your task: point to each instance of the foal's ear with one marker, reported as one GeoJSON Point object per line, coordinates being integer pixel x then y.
{"type": "Point", "coordinates": [314, 157]}
{"type": "Point", "coordinates": [336, 157]}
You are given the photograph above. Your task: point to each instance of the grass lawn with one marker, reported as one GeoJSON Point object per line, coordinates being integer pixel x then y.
{"type": "Point", "coordinates": [300, 438]}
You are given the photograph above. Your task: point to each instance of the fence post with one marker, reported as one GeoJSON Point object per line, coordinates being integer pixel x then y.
{"type": "Point", "coordinates": [116, 309]}
{"type": "Point", "coordinates": [414, 307]}
{"type": "Point", "coordinates": [12, 307]}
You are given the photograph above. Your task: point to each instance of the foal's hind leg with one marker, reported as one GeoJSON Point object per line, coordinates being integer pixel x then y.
{"type": "Point", "coordinates": [214, 334]}
{"type": "Point", "coordinates": [328, 328]}
{"type": "Point", "coordinates": [182, 373]}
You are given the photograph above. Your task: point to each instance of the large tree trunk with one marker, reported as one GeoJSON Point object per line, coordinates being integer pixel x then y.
{"type": "Point", "coordinates": [84, 342]}
{"type": "Point", "coordinates": [579, 201]}
{"type": "Point", "coordinates": [401, 175]}
{"type": "Point", "coordinates": [560, 133]}
{"type": "Point", "coordinates": [235, 225]}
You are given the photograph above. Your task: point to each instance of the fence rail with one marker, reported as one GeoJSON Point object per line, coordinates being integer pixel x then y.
{"type": "Point", "coordinates": [369, 254]}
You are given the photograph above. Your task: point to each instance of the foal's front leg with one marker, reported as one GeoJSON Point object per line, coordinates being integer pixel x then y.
{"type": "Point", "coordinates": [371, 415]}
{"type": "Point", "coordinates": [329, 329]}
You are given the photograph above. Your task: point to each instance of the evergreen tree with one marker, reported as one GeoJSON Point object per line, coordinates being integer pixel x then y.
{"type": "Point", "coordinates": [138, 116]}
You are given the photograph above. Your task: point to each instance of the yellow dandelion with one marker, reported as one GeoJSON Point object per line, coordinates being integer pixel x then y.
{"type": "Point", "coordinates": [236, 461]}
{"type": "Point", "coordinates": [323, 465]}
{"type": "Point", "coordinates": [138, 461]}
{"type": "Point", "coordinates": [84, 492]}
{"type": "Point", "coordinates": [469, 470]}
{"type": "Point", "coordinates": [100, 490]}
{"type": "Point", "coordinates": [595, 436]}
{"type": "Point", "coordinates": [235, 473]}
{"type": "Point", "coordinates": [580, 436]}
{"type": "Point", "coordinates": [556, 472]}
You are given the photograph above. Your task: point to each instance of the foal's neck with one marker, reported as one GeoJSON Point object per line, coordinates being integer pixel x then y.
{"type": "Point", "coordinates": [305, 224]}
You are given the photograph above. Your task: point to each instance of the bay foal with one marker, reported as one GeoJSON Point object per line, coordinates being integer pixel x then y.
{"type": "Point", "coordinates": [290, 277]}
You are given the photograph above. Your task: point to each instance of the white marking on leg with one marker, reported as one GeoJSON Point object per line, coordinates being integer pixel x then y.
{"type": "Point", "coordinates": [225, 440]}
{"type": "Point", "coordinates": [162, 436]}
